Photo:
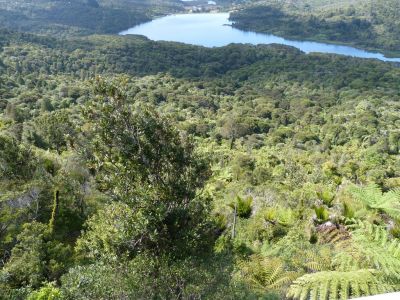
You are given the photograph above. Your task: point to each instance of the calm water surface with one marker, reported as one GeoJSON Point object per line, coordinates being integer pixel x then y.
{"type": "Point", "coordinates": [213, 30]}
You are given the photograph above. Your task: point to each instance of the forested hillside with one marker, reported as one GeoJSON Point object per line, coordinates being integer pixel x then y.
{"type": "Point", "coordinates": [132, 169]}
{"type": "Point", "coordinates": [364, 23]}
{"type": "Point", "coordinates": [79, 17]}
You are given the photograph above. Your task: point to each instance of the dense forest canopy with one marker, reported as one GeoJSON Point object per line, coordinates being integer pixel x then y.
{"type": "Point", "coordinates": [78, 17]}
{"type": "Point", "coordinates": [134, 169]}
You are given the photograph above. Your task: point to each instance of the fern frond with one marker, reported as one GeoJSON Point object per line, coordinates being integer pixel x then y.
{"type": "Point", "coordinates": [370, 247]}
{"type": "Point", "coordinates": [373, 198]}
{"type": "Point", "coordinates": [266, 274]}
{"type": "Point", "coordinates": [390, 203]}
{"type": "Point", "coordinates": [337, 285]}
{"type": "Point", "coordinates": [317, 259]}
{"type": "Point", "coordinates": [348, 257]}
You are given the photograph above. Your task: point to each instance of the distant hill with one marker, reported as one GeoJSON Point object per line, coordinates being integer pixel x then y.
{"type": "Point", "coordinates": [365, 23]}
{"type": "Point", "coordinates": [80, 16]}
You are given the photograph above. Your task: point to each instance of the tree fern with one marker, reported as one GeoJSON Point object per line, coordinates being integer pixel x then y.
{"type": "Point", "coordinates": [280, 215]}
{"type": "Point", "coordinates": [243, 206]}
{"type": "Point", "coordinates": [316, 259]}
{"type": "Point", "coordinates": [371, 247]}
{"type": "Point", "coordinates": [337, 285]}
{"type": "Point", "coordinates": [266, 274]}
{"type": "Point", "coordinates": [373, 198]}
{"type": "Point", "coordinates": [321, 214]}
{"type": "Point", "coordinates": [365, 262]}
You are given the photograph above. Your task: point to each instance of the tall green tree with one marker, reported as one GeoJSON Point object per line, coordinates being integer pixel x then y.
{"type": "Point", "coordinates": [152, 174]}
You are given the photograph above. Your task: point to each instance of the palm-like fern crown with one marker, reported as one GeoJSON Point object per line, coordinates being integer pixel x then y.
{"type": "Point", "coordinates": [375, 250]}
{"type": "Point", "coordinates": [346, 261]}
{"type": "Point", "coordinates": [367, 263]}
{"type": "Point", "coordinates": [266, 274]}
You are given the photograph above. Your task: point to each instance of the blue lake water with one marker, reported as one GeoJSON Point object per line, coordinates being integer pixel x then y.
{"type": "Point", "coordinates": [213, 30]}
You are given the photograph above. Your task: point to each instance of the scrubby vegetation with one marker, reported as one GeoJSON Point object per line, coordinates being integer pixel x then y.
{"type": "Point", "coordinates": [364, 23]}
{"type": "Point", "coordinates": [133, 169]}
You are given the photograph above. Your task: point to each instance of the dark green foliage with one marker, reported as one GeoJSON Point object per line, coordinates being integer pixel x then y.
{"type": "Point", "coordinates": [51, 131]}
{"type": "Point", "coordinates": [145, 144]}
{"type": "Point", "coordinates": [35, 258]}
{"type": "Point", "coordinates": [242, 206]}
{"type": "Point", "coordinates": [17, 162]}
{"type": "Point", "coordinates": [150, 169]}
{"type": "Point", "coordinates": [136, 280]}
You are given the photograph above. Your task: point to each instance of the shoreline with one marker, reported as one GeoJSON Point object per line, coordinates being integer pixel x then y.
{"type": "Point", "coordinates": [391, 57]}
{"type": "Point", "coordinates": [388, 54]}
